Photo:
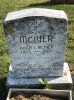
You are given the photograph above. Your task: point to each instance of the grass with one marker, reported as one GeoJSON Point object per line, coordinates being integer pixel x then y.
{"type": "Point", "coordinates": [13, 5]}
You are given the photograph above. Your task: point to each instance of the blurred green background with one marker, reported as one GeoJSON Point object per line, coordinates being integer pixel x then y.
{"type": "Point", "coordinates": [13, 5]}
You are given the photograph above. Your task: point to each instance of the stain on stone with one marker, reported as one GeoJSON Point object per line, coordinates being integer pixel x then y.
{"type": "Point", "coordinates": [10, 29]}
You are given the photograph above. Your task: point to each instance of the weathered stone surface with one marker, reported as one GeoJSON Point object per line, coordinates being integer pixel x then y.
{"type": "Point", "coordinates": [63, 82]}
{"type": "Point", "coordinates": [36, 41]}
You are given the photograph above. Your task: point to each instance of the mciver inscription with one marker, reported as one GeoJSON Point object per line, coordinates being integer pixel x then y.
{"type": "Point", "coordinates": [36, 42]}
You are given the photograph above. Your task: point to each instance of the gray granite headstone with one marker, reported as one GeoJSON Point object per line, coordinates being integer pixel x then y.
{"type": "Point", "coordinates": [36, 41]}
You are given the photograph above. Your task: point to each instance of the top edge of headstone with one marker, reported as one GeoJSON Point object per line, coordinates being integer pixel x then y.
{"type": "Point", "coordinates": [36, 12]}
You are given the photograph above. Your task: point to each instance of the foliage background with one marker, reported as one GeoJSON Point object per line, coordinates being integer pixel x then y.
{"type": "Point", "coordinates": [13, 5]}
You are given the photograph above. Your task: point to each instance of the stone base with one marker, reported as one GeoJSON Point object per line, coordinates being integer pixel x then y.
{"type": "Point", "coordinates": [64, 82]}
{"type": "Point", "coordinates": [59, 94]}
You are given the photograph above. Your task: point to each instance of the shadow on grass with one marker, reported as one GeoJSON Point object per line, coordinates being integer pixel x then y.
{"type": "Point", "coordinates": [51, 3]}
{"type": "Point", "coordinates": [39, 4]}
{"type": "Point", "coordinates": [3, 90]}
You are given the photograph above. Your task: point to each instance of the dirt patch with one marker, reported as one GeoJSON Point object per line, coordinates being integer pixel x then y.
{"type": "Point", "coordinates": [32, 97]}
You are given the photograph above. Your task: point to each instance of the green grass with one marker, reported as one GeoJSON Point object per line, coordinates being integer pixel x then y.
{"type": "Point", "coordinates": [13, 5]}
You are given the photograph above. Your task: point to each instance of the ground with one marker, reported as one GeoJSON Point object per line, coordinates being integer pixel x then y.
{"type": "Point", "coordinates": [13, 5]}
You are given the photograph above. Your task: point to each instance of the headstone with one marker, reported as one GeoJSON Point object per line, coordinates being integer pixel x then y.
{"type": "Point", "coordinates": [36, 40]}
